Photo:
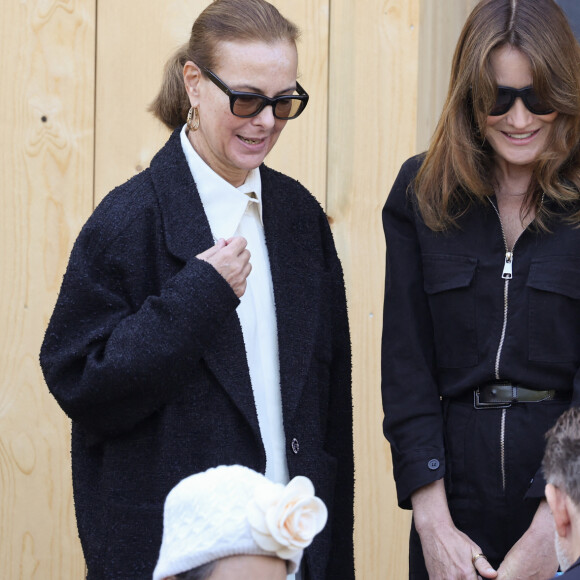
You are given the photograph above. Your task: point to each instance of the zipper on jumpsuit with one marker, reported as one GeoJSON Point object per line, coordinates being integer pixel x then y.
{"type": "Point", "coordinates": [506, 275]}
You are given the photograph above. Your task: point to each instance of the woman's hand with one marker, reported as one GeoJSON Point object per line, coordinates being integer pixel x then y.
{"type": "Point", "coordinates": [533, 557]}
{"type": "Point", "coordinates": [448, 552]}
{"type": "Point", "coordinates": [232, 260]}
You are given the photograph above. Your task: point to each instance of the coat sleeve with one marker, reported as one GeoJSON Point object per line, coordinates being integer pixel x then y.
{"type": "Point", "coordinates": [413, 421]}
{"type": "Point", "coordinates": [122, 341]}
{"type": "Point", "coordinates": [339, 440]}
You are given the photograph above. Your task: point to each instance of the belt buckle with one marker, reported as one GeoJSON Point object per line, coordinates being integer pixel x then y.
{"type": "Point", "coordinates": [477, 404]}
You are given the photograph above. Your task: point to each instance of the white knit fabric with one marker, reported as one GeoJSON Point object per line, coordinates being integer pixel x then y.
{"type": "Point", "coordinates": [206, 518]}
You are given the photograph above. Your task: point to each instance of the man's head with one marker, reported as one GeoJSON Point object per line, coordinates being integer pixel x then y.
{"type": "Point", "coordinates": [561, 466]}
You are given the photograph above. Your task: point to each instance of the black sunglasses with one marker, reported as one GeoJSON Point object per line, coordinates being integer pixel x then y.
{"type": "Point", "coordinates": [506, 97]}
{"type": "Point", "coordinates": [251, 104]}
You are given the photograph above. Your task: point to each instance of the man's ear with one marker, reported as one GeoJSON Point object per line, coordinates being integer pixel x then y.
{"type": "Point", "coordinates": [191, 78]}
{"type": "Point", "coordinates": [558, 505]}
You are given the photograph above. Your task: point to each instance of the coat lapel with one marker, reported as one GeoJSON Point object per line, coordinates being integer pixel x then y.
{"type": "Point", "coordinates": [188, 233]}
{"type": "Point", "coordinates": [296, 289]}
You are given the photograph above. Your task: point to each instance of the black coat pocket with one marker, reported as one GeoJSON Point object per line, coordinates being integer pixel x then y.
{"type": "Point", "coordinates": [449, 284]}
{"type": "Point", "coordinates": [554, 315]}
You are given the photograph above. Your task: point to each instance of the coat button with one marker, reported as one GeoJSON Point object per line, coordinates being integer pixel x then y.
{"type": "Point", "coordinates": [295, 446]}
{"type": "Point", "coordinates": [433, 464]}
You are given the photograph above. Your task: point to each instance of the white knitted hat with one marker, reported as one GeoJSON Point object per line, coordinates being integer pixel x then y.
{"type": "Point", "coordinates": [232, 510]}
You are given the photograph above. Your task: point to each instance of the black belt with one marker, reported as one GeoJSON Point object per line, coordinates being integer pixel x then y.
{"type": "Point", "coordinates": [503, 394]}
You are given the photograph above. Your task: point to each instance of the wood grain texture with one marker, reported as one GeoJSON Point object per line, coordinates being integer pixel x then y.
{"type": "Point", "coordinates": [46, 156]}
{"type": "Point", "coordinates": [134, 39]}
{"type": "Point", "coordinates": [373, 97]}
{"type": "Point", "coordinates": [377, 74]}
{"type": "Point", "coordinates": [301, 150]}
{"type": "Point", "coordinates": [441, 25]}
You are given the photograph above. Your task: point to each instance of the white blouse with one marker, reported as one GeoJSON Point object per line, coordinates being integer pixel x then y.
{"type": "Point", "coordinates": [232, 212]}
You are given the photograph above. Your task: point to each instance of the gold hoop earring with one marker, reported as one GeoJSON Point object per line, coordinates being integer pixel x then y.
{"type": "Point", "coordinates": [193, 119]}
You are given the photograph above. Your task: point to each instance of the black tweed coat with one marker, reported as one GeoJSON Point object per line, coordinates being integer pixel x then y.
{"type": "Point", "coordinates": [144, 352]}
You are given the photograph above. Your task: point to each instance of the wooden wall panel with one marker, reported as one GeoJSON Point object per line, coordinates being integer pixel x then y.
{"type": "Point", "coordinates": [441, 24]}
{"type": "Point", "coordinates": [377, 78]}
{"type": "Point", "coordinates": [301, 150]}
{"type": "Point", "coordinates": [130, 61]}
{"type": "Point", "coordinates": [46, 156]}
{"type": "Point", "coordinates": [135, 38]}
{"type": "Point", "coordinates": [373, 79]}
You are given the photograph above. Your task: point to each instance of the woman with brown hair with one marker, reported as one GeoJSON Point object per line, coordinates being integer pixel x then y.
{"type": "Point", "coordinates": [481, 337]}
{"type": "Point", "coordinates": [202, 318]}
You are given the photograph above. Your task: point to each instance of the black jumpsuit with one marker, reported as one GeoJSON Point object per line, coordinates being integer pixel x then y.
{"type": "Point", "coordinates": [460, 312]}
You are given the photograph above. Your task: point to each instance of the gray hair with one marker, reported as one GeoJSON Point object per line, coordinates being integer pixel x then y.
{"type": "Point", "coordinates": [561, 463]}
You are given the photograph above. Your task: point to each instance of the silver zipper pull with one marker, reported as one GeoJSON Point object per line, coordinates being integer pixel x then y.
{"type": "Point", "coordinates": [507, 269]}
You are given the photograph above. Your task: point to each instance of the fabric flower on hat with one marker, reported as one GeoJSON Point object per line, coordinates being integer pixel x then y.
{"type": "Point", "coordinates": [285, 519]}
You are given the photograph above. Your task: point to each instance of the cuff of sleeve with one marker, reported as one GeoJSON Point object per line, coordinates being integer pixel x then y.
{"type": "Point", "coordinates": [417, 470]}
{"type": "Point", "coordinates": [537, 486]}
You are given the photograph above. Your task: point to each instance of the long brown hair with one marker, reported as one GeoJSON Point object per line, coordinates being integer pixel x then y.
{"type": "Point", "coordinates": [222, 20]}
{"type": "Point", "coordinates": [457, 169]}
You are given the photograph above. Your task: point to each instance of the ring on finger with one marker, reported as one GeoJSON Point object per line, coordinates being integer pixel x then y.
{"type": "Point", "coordinates": [476, 557]}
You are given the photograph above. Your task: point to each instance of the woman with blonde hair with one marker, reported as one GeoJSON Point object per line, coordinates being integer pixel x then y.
{"type": "Point", "coordinates": [202, 318]}
{"type": "Point", "coordinates": [481, 336]}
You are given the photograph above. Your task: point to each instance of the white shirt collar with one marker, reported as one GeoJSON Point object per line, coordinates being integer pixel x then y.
{"type": "Point", "coordinates": [223, 203]}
